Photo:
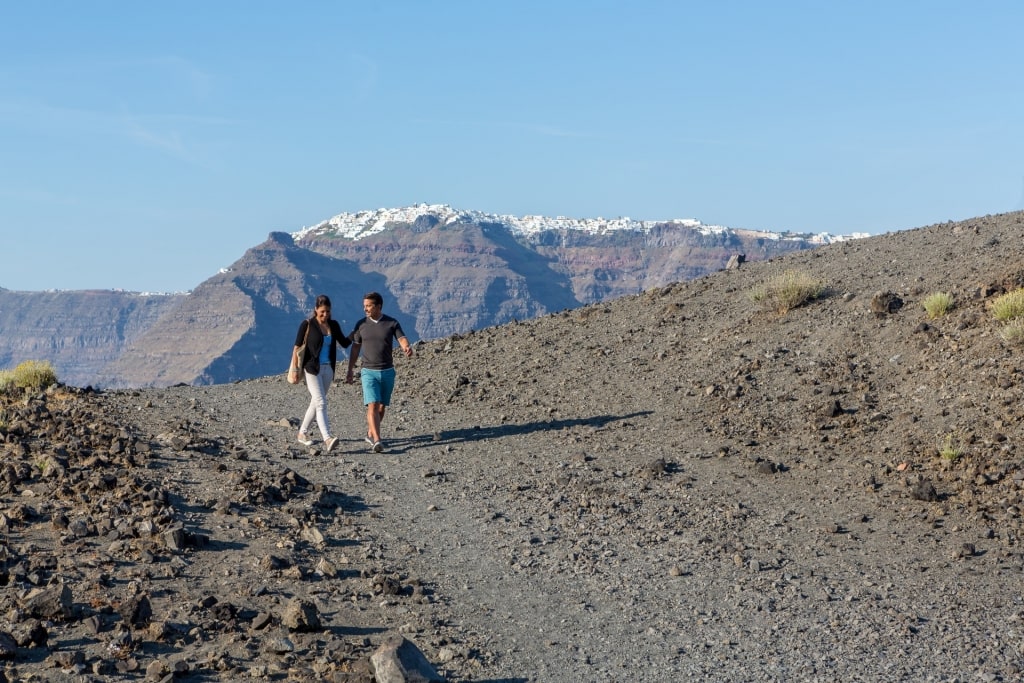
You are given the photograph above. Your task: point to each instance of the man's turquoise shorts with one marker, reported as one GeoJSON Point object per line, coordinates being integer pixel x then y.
{"type": "Point", "coordinates": [377, 385]}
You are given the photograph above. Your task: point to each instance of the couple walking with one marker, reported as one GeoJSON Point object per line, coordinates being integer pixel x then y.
{"type": "Point", "coordinates": [374, 337]}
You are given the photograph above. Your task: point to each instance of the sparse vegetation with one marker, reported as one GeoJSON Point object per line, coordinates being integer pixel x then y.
{"type": "Point", "coordinates": [31, 374]}
{"type": "Point", "coordinates": [786, 291]}
{"type": "Point", "coordinates": [1013, 332]}
{"type": "Point", "coordinates": [1009, 306]}
{"type": "Point", "coordinates": [952, 446]}
{"type": "Point", "coordinates": [938, 304]}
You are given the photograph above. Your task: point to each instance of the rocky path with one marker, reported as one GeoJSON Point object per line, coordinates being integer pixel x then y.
{"type": "Point", "coordinates": [576, 552]}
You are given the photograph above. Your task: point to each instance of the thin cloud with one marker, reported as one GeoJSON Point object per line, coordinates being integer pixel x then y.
{"type": "Point", "coordinates": [169, 142]}
{"type": "Point", "coordinates": [171, 134]}
{"type": "Point", "coordinates": [167, 133]}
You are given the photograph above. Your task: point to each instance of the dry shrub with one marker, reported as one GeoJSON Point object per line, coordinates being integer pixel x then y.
{"type": "Point", "coordinates": [938, 304]}
{"type": "Point", "coordinates": [786, 291]}
{"type": "Point", "coordinates": [31, 374]}
{"type": "Point", "coordinates": [1013, 332]}
{"type": "Point", "coordinates": [1008, 306]}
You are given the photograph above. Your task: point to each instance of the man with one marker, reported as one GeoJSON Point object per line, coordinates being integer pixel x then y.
{"type": "Point", "coordinates": [375, 337]}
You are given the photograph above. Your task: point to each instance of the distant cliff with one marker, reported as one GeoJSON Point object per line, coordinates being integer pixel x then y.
{"type": "Point", "coordinates": [440, 274]}
{"type": "Point", "coordinates": [80, 332]}
{"type": "Point", "coordinates": [456, 276]}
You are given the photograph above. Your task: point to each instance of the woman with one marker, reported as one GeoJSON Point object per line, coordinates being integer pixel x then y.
{"type": "Point", "coordinates": [321, 335]}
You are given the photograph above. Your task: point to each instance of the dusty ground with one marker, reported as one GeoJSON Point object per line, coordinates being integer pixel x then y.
{"type": "Point", "coordinates": [671, 486]}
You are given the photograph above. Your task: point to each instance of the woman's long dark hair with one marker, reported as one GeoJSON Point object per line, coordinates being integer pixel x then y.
{"type": "Point", "coordinates": [321, 300]}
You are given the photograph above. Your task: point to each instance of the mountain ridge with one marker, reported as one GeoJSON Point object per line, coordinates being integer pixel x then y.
{"type": "Point", "coordinates": [364, 223]}
{"type": "Point", "coordinates": [442, 272]}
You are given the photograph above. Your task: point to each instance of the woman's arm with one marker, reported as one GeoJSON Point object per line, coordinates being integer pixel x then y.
{"type": "Point", "coordinates": [339, 334]}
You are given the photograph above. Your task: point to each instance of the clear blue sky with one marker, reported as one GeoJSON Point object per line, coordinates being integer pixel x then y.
{"type": "Point", "coordinates": [145, 145]}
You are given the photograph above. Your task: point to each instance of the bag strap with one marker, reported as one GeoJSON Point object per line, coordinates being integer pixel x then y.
{"type": "Point", "coordinates": [306, 339]}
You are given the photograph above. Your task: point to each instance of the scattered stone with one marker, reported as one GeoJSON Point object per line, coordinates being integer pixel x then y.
{"type": "Point", "coordinates": [326, 568]}
{"type": "Point", "coordinates": [262, 620]}
{"type": "Point", "coordinates": [279, 646]}
{"type": "Point", "coordinates": [885, 303]}
{"type": "Point", "coordinates": [156, 670]}
{"type": "Point", "coordinates": [52, 602]}
{"type": "Point", "coordinates": [274, 563]}
{"type": "Point", "coordinates": [656, 468]}
{"type": "Point", "coordinates": [832, 409]}
{"type": "Point", "coordinates": [735, 261]}
{"type": "Point", "coordinates": [8, 646]}
{"type": "Point", "coordinates": [94, 624]}
{"type": "Point", "coordinates": [30, 634]}
{"type": "Point", "coordinates": [67, 659]}
{"type": "Point", "coordinates": [398, 660]}
{"type": "Point", "coordinates": [965, 550]}
{"type": "Point", "coordinates": [924, 489]}
{"type": "Point", "coordinates": [136, 610]}
{"type": "Point", "coordinates": [175, 539]}
{"type": "Point", "coordinates": [312, 535]}
{"type": "Point", "coordinates": [301, 616]}
{"type": "Point", "coordinates": [386, 585]}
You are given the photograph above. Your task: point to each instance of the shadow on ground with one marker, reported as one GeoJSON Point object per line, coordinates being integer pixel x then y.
{"type": "Point", "coordinates": [481, 433]}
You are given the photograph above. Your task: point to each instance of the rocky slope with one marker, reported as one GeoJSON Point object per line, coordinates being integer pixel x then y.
{"type": "Point", "coordinates": [672, 485]}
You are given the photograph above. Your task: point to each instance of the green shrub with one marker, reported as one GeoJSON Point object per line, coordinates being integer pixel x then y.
{"type": "Point", "coordinates": [1009, 305]}
{"type": "Point", "coordinates": [786, 291]}
{"type": "Point", "coordinates": [31, 374]}
{"type": "Point", "coordinates": [952, 446]}
{"type": "Point", "coordinates": [938, 304]}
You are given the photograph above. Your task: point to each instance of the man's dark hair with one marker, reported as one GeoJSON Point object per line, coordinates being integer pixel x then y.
{"type": "Point", "coordinates": [374, 297]}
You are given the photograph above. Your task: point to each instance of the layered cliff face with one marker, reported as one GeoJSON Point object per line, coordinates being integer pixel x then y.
{"type": "Point", "coordinates": [452, 278]}
{"type": "Point", "coordinates": [610, 265]}
{"type": "Point", "coordinates": [437, 278]}
{"type": "Point", "coordinates": [79, 332]}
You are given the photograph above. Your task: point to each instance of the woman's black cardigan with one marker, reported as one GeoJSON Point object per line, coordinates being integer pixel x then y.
{"type": "Point", "coordinates": [315, 342]}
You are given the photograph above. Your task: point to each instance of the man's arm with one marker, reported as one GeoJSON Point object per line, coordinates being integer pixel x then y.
{"type": "Point", "coordinates": [406, 346]}
{"type": "Point", "coordinates": [352, 356]}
